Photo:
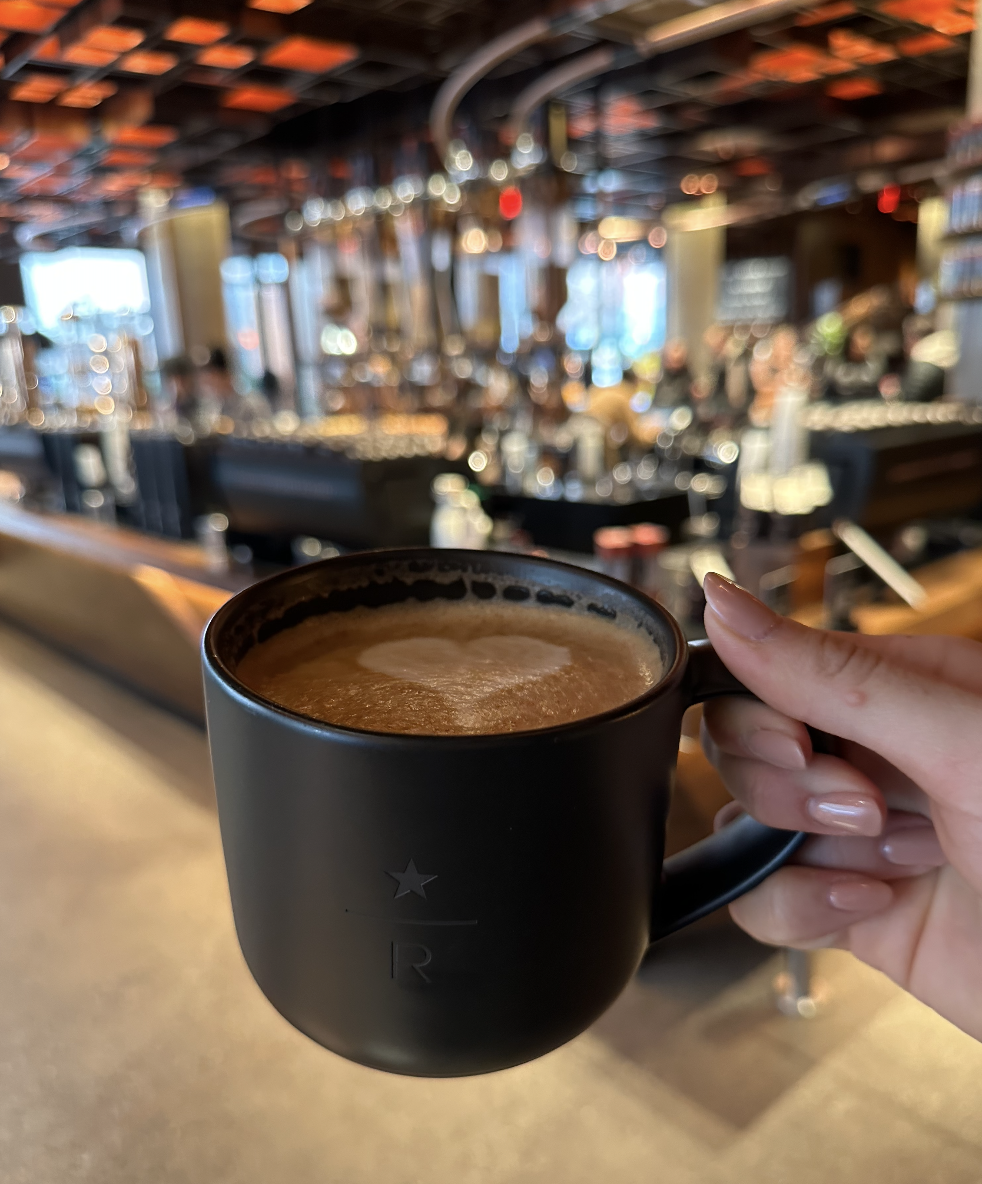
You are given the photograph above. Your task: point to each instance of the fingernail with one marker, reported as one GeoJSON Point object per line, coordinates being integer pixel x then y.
{"type": "Point", "coordinates": [847, 813]}
{"type": "Point", "coordinates": [860, 896]}
{"type": "Point", "coordinates": [777, 748]}
{"type": "Point", "coordinates": [737, 609]}
{"type": "Point", "coordinates": [912, 847]}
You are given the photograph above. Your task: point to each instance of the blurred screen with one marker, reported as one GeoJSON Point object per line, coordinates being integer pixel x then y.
{"type": "Point", "coordinates": [84, 279]}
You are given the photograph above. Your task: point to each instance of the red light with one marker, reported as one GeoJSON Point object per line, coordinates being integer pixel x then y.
{"type": "Point", "coordinates": [510, 202]}
{"type": "Point", "coordinates": [889, 199]}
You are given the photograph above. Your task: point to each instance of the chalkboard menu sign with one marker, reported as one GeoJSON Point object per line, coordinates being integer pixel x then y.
{"type": "Point", "coordinates": [754, 290]}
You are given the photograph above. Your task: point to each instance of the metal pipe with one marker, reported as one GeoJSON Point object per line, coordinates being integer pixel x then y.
{"type": "Point", "coordinates": [711, 22]}
{"type": "Point", "coordinates": [587, 65]}
{"type": "Point", "coordinates": [498, 50]}
{"type": "Point", "coordinates": [673, 34]}
{"type": "Point", "coordinates": [880, 562]}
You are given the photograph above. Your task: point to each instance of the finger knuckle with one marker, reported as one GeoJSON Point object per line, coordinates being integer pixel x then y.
{"type": "Point", "coordinates": [841, 662]}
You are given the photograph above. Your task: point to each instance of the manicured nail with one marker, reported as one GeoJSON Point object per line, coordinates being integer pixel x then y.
{"type": "Point", "coordinates": [860, 896]}
{"type": "Point", "coordinates": [847, 813]}
{"type": "Point", "coordinates": [916, 846]}
{"type": "Point", "coordinates": [777, 748]}
{"type": "Point", "coordinates": [737, 609]}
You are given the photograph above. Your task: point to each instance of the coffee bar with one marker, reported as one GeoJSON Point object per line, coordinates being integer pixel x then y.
{"type": "Point", "coordinates": [417, 420]}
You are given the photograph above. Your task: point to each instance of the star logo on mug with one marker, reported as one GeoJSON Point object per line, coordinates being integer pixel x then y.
{"type": "Point", "coordinates": [410, 881]}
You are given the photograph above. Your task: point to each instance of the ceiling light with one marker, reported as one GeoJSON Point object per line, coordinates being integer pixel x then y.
{"type": "Point", "coordinates": [192, 30]}
{"type": "Point", "coordinates": [88, 55]}
{"type": "Point", "coordinates": [278, 5]}
{"type": "Point", "coordinates": [827, 12]}
{"type": "Point", "coordinates": [48, 50]}
{"type": "Point", "coordinates": [258, 98]}
{"type": "Point", "coordinates": [24, 16]}
{"type": "Point", "coordinates": [941, 15]}
{"type": "Point", "coordinates": [853, 47]}
{"type": "Point", "coordinates": [225, 57]}
{"type": "Point", "coordinates": [38, 88]}
{"type": "Point", "coordinates": [146, 61]}
{"type": "Point", "coordinates": [151, 135]}
{"type": "Point", "coordinates": [128, 158]}
{"type": "Point", "coordinates": [87, 94]}
{"type": "Point", "coordinates": [307, 54]}
{"type": "Point", "coordinates": [922, 43]}
{"type": "Point", "coordinates": [113, 37]}
{"type": "Point", "coordinates": [853, 88]}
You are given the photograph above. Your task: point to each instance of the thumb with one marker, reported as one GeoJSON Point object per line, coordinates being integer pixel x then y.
{"type": "Point", "coordinates": [929, 729]}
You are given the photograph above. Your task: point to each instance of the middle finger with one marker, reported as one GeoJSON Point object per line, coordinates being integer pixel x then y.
{"type": "Point", "coordinates": [829, 796]}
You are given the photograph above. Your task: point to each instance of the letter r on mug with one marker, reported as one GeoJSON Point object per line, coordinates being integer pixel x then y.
{"type": "Point", "coordinates": [409, 956]}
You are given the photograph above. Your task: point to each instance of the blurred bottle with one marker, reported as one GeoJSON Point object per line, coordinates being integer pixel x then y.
{"type": "Point", "coordinates": [458, 520]}
{"type": "Point", "coordinates": [211, 531]}
{"type": "Point", "coordinates": [614, 548]}
{"type": "Point", "coordinates": [649, 541]}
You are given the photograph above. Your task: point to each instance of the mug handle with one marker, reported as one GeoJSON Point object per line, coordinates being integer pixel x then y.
{"type": "Point", "coordinates": [716, 870]}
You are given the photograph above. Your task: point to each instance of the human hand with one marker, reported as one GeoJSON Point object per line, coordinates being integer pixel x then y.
{"type": "Point", "coordinates": [894, 873]}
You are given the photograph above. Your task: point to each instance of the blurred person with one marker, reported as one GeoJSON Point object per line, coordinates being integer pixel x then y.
{"type": "Point", "coordinates": [857, 373]}
{"type": "Point", "coordinates": [674, 386]}
{"type": "Point", "coordinates": [771, 363]}
{"type": "Point", "coordinates": [893, 872]}
{"type": "Point", "coordinates": [269, 389]}
{"type": "Point", "coordinates": [181, 382]}
{"type": "Point", "coordinates": [929, 354]}
{"type": "Point", "coordinates": [722, 395]}
{"type": "Point", "coordinates": [220, 398]}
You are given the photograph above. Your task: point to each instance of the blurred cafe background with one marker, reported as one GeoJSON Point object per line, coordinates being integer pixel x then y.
{"type": "Point", "coordinates": [658, 287]}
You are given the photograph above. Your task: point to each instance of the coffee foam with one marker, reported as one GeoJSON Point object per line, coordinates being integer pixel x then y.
{"type": "Point", "coordinates": [453, 667]}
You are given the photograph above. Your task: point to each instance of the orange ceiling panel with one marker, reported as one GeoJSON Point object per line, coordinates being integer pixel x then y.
{"type": "Point", "coordinates": [38, 88]}
{"type": "Point", "coordinates": [921, 43]}
{"type": "Point", "coordinates": [192, 30]}
{"type": "Point", "coordinates": [852, 47]}
{"type": "Point", "coordinates": [954, 23]}
{"type": "Point", "coordinates": [278, 5]}
{"type": "Point", "coordinates": [258, 98]}
{"type": "Point", "coordinates": [49, 186]}
{"type": "Point", "coordinates": [21, 172]}
{"type": "Point", "coordinates": [88, 55]}
{"type": "Point", "coordinates": [226, 57]}
{"type": "Point", "coordinates": [48, 50]}
{"type": "Point", "coordinates": [128, 158]}
{"type": "Point", "coordinates": [146, 61]}
{"type": "Point", "coordinates": [853, 88]}
{"type": "Point", "coordinates": [150, 135]}
{"type": "Point", "coordinates": [24, 16]}
{"type": "Point", "coordinates": [116, 38]}
{"type": "Point", "coordinates": [945, 16]}
{"type": "Point", "coordinates": [796, 63]}
{"type": "Point", "coordinates": [50, 149]}
{"type": "Point", "coordinates": [87, 94]}
{"type": "Point", "coordinates": [122, 182]}
{"type": "Point", "coordinates": [308, 54]}
{"type": "Point", "coordinates": [826, 12]}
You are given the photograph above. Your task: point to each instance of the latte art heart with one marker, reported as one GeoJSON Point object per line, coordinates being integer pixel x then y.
{"type": "Point", "coordinates": [461, 668]}
{"type": "Point", "coordinates": [470, 670]}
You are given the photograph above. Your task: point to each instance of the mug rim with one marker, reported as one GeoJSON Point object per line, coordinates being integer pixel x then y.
{"type": "Point", "coordinates": [670, 678]}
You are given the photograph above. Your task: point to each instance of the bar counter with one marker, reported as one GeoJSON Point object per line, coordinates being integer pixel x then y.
{"type": "Point", "coordinates": [135, 1046]}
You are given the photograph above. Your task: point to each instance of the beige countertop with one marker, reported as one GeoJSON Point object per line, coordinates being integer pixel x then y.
{"type": "Point", "coordinates": [134, 1046]}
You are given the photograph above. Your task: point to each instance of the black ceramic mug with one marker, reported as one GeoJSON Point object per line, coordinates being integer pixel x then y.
{"type": "Point", "coordinates": [448, 905]}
